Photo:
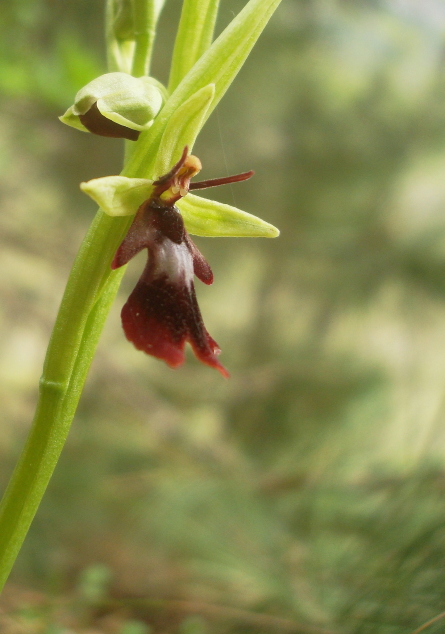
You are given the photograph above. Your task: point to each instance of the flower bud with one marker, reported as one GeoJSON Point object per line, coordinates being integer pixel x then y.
{"type": "Point", "coordinates": [116, 105]}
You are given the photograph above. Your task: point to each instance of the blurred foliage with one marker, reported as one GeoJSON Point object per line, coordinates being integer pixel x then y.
{"type": "Point", "coordinates": [306, 493]}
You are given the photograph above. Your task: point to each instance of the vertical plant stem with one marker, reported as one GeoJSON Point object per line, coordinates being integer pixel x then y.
{"type": "Point", "coordinates": [89, 293]}
{"type": "Point", "coordinates": [130, 30]}
{"type": "Point", "coordinates": [69, 356]}
{"type": "Point", "coordinates": [110, 37]}
{"type": "Point", "coordinates": [119, 36]}
{"type": "Point", "coordinates": [56, 408]}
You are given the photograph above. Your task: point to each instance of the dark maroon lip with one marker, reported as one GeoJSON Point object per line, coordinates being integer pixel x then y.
{"type": "Point", "coordinates": [162, 312]}
{"type": "Point", "coordinates": [159, 317]}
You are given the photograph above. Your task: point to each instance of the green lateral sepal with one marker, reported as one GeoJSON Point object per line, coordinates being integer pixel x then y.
{"type": "Point", "coordinates": [118, 195]}
{"type": "Point", "coordinates": [203, 217]}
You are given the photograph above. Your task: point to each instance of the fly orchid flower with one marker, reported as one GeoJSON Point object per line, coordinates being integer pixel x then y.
{"type": "Point", "coordinates": [162, 312]}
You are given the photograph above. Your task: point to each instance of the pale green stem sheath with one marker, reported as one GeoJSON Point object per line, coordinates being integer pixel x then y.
{"type": "Point", "coordinates": [113, 64]}
{"type": "Point", "coordinates": [119, 37]}
{"type": "Point", "coordinates": [130, 34]}
{"type": "Point", "coordinates": [90, 291]}
{"type": "Point", "coordinates": [56, 408]}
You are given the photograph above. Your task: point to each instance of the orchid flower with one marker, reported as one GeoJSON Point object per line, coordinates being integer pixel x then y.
{"type": "Point", "coordinates": [162, 312]}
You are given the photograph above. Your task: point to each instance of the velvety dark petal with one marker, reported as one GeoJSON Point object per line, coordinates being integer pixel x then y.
{"type": "Point", "coordinates": [152, 320]}
{"type": "Point", "coordinates": [95, 122]}
{"type": "Point", "coordinates": [161, 315]}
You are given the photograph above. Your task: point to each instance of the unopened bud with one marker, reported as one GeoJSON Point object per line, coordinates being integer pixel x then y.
{"type": "Point", "coordinates": [116, 105]}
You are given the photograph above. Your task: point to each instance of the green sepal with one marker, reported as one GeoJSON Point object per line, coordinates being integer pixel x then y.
{"type": "Point", "coordinates": [203, 217]}
{"type": "Point", "coordinates": [118, 195]}
{"type": "Point", "coordinates": [126, 100]}
{"type": "Point", "coordinates": [182, 128]}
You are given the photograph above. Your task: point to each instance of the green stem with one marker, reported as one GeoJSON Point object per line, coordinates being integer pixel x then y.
{"type": "Point", "coordinates": [141, 59]}
{"type": "Point", "coordinates": [91, 268]}
{"type": "Point", "coordinates": [145, 19]}
{"type": "Point", "coordinates": [68, 358]}
{"type": "Point", "coordinates": [56, 407]}
{"type": "Point", "coordinates": [110, 38]}
{"type": "Point", "coordinates": [118, 35]}
{"type": "Point", "coordinates": [89, 293]}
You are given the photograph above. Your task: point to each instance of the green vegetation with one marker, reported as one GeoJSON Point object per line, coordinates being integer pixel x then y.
{"type": "Point", "coordinates": [306, 493]}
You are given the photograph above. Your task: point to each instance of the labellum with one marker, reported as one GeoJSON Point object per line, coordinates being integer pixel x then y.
{"type": "Point", "coordinates": [162, 312]}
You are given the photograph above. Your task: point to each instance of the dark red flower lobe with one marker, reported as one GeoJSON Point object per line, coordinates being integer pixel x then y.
{"type": "Point", "coordinates": [162, 312]}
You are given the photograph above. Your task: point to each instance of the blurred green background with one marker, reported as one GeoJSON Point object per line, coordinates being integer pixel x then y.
{"type": "Point", "coordinates": [307, 493]}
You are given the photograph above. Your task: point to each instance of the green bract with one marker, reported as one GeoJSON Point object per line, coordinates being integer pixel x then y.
{"type": "Point", "coordinates": [218, 65]}
{"type": "Point", "coordinates": [128, 101]}
{"type": "Point", "coordinates": [194, 37]}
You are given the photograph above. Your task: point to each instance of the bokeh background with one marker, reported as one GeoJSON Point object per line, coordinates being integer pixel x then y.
{"type": "Point", "coordinates": [307, 493]}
